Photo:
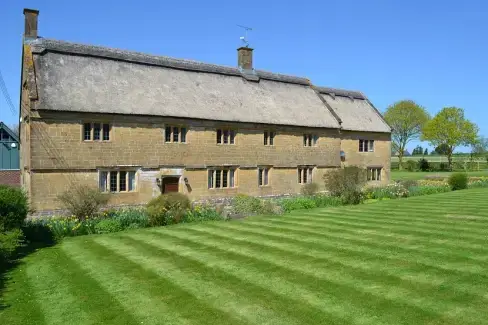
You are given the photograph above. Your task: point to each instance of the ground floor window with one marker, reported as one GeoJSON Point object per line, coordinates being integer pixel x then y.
{"type": "Point", "coordinates": [222, 178]}
{"type": "Point", "coordinates": [263, 176]}
{"type": "Point", "coordinates": [305, 175]}
{"type": "Point", "coordinates": [117, 181]}
{"type": "Point", "coordinates": [374, 174]}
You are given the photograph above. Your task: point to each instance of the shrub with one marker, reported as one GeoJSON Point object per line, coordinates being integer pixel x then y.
{"type": "Point", "coordinates": [424, 165]}
{"type": "Point", "coordinates": [297, 203]}
{"type": "Point", "coordinates": [443, 167]}
{"type": "Point", "coordinates": [322, 200]}
{"type": "Point", "coordinates": [458, 181]}
{"type": "Point", "coordinates": [83, 201]}
{"type": "Point", "coordinates": [106, 226]}
{"type": "Point", "coordinates": [409, 183]}
{"type": "Point", "coordinates": [478, 183]}
{"type": "Point", "coordinates": [10, 240]}
{"type": "Point", "coordinates": [245, 204]}
{"type": "Point", "coordinates": [346, 183]}
{"type": "Point", "coordinates": [61, 226]}
{"type": "Point", "coordinates": [411, 165]}
{"type": "Point", "coordinates": [428, 189]}
{"type": "Point", "coordinates": [167, 209]}
{"type": "Point", "coordinates": [129, 217]}
{"type": "Point", "coordinates": [310, 189]}
{"type": "Point", "coordinates": [201, 213]}
{"type": "Point", "coordinates": [13, 207]}
{"type": "Point", "coordinates": [391, 191]}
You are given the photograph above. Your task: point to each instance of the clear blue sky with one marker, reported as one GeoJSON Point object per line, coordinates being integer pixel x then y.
{"type": "Point", "coordinates": [433, 52]}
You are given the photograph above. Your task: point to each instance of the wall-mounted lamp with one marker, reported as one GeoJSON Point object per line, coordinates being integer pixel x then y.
{"type": "Point", "coordinates": [343, 156]}
{"type": "Point", "coordinates": [186, 180]}
{"type": "Point", "coordinates": [158, 181]}
{"type": "Point", "coordinates": [13, 144]}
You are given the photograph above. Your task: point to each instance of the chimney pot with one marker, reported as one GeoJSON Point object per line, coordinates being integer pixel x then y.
{"type": "Point", "coordinates": [244, 58]}
{"type": "Point", "coordinates": [30, 23]}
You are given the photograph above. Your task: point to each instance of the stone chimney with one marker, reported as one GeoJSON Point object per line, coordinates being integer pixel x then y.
{"type": "Point", "coordinates": [244, 58]}
{"type": "Point", "coordinates": [30, 23]}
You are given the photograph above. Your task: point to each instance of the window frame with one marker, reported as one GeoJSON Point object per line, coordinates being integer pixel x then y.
{"type": "Point", "coordinates": [230, 181]}
{"type": "Point", "coordinates": [225, 136]}
{"type": "Point", "coordinates": [310, 139]}
{"type": "Point", "coordinates": [268, 138]}
{"type": "Point", "coordinates": [107, 174]}
{"type": "Point", "coordinates": [366, 145]}
{"type": "Point", "coordinates": [264, 176]}
{"type": "Point", "coordinates": [374, 174]}
{"type": "Point", "coordinates": [102, 131]}
{"type": "Point", "coordinates": [171, 134]}
{"type": "Point", "coordinates": [305, 174]}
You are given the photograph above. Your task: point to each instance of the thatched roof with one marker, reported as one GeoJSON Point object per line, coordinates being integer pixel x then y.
{"type": "Point", "coordinates": [83, 78]}
{"type": "Point", "coordinates": [354, 110]}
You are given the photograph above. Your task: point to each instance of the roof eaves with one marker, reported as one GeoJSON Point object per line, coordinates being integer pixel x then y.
{"type": "Point", "coordinates": [9, 131]}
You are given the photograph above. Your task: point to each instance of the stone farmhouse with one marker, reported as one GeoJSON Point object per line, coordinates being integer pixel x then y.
{"type": "Point", "coordinates": [139, 125]}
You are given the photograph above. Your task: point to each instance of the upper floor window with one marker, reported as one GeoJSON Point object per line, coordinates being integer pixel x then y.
{"type": "Point", "coordinates": [374, 174]}
{"type": "Point", "coordinates": [221, 178]}
{"type": "Point", "coordinates": [117, 181]}
{"type": "Point", "coordinates": [263, 176]}
{"type": "Point", "coordinates": [269, 138]}
{"type": "Point", "coordinates": [226, 136]}
{"type": "Point", "coordinates": [305, 175]}
{"type": "Point", "coordinates": [96, 132]}
{"type": "Point", "coordinates": [366, 145]}
{"type": "Point", "coordinates": [175, 134]}
{"type": "Point", "coordinates": [310, 140]}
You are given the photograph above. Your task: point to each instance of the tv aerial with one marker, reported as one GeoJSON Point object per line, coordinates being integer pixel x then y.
{"type": "Point", "coordinates": [244, 38]}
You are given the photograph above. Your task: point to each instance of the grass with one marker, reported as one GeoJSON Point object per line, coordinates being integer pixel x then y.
{"type": "Point", "coordinates": [403, 175]}
{"type": "Point", "coordinates": [420, 260]}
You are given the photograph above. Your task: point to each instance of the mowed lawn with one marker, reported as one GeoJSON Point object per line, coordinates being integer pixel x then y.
{"type": "Point", "coordinates": [397, 175]}
{"type": "Point", "coordinates": [422, 260]}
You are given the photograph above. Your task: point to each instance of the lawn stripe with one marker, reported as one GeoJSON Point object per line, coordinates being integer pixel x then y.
{"type": "Point", "coordinates": [413, 216]}
{"type": "Point", "coordinates": [389, 218]}
{"type": "Point", "coordinates": [332, 240]}
{"type": "Point", "coordinates": [221, 291]}
{"type": "Point", "coordinates": [18, 302]}
{"type": "Point", "coordinates": [377, 219]}
{"type": "Point", "coordinates": [381, 294]}
{"type": "Point", "coordinates": [49, 283]}
{"type": "Point", "coordinates": [344, 298]}
{"type": "Point", "coordinates": [390, 228]}
{"type": "Point", "coordinates": [390, 237]}
{"type": "Point", "coordinates": [410, 270]}
{"type": "Point", "coordinates": [154, 300]}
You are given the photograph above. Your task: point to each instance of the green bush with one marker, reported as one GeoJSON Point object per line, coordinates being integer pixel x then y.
{"type": "Point", "coordinates": [13, 207]}
{"type": "Point", "coordinates": [478, 183]}
{"type": "Point", "coordinates": [60, 226]}
{"type": "Point", "coordinates": [245, 204]}
{"type": "Point", "coordinates": [10, 240]}
{"type": "Point", "coordinates": [458, 181]}
{"type": "Point", "coordinates": [106, 226]}
{"type": "Point", "coordinates": [346, 183]}
{"type": "Point", "coordinates": [309, 202]}
{"type": "Point", "coordinates": [129, 217]}
{"type": "Point", "coordinates": [167, 209]}
{"type": "Point", "coordinates": [323, 200]}
{"type": "Point", "coordinates": [411, 165]}
{"type": "Point", "coordinates": [427, 190]}
{"type": "Point", "coordinates": [390, 191]}
{"type": "Point", "coordinates": [83, 201]}
{"type": "Point", "coordinates": [424, 165]}
{"type": "Point", "coordinates": [310, 189]}
{"type": "Point", "coordinates": [201, 213]}
{"type": "Point", "coordinates": [443, 167]}
{"type": "Point", "coordinates": [408, 183]}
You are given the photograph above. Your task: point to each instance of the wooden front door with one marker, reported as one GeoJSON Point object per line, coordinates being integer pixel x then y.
{"type": "Point", "coordinates": [170, 184]}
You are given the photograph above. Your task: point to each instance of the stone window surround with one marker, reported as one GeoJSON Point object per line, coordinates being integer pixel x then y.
{"type": "Point", "coordinates": [366, 145]}
{"type": "Point", "coordinates": [310, 140]}
{"type": "Point", "coordinates": [180, 133]}
{"type": "Point", "coordinates": [231, 177]}
{"type": "Point", "coordinates": [269, 137]}
{"type": "Point", "coordinates": [374, 173]}
{"type": "Point", "coordinates": [264, 174]}
{"type": "Point", "coordinates": [231, 133]}
{"type": "Point", "coordinates": [92, 131]}
{"type": "Point", "coordinates": [305, 174]}
{"type": "Point", "coordinates": [109, 171]}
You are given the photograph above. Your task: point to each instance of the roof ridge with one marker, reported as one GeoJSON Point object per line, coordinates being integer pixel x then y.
{"type": "Point", "coordinates": [341, 92]}
{"type": "Point", "coordinates": [41, 45]}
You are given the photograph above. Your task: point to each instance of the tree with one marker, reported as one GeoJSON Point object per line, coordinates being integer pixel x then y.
{"type": "Point", "coordinates": [418, 151]}
{"type": "Point", "coordinates": [426, 152]}
{"type": "Point", "coordinates": [15, 128]}
{"type": "Point", "coordinates": [442, 149]}
{"type": "Point", "coordinates": [479, 147]}
{"type": "Point", "coordinates": [407, 120]}
{"type": "Point", "coordinates": [450, 129]}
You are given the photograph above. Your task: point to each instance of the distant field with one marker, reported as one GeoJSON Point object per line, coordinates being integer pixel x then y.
{"type": "Point", "coordinates": [421, 260]}
{"type": "Point", "coordinates": [403, 175]}
{"type": "Point", "coordinates": [459, 161]}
